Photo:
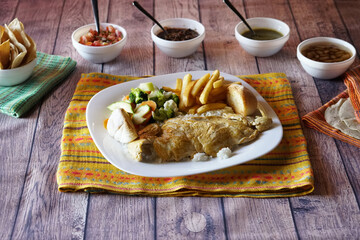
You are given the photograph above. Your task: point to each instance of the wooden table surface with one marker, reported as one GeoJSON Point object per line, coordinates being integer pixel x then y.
{"type": "Point", "coordinates": [31, 206]}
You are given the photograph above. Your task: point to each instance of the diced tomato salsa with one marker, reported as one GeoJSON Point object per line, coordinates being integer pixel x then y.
{"type": "Point", "coordinates": [106, 37]}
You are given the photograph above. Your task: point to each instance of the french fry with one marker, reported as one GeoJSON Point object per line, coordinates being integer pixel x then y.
{"type": "Point", "coordinates": [178, 84]}
{"type": "Point", "coordinates": [167, 89]}
{"type": "Point", "coordinates": [218, 83]}
{"type": "Point", "coordinates": [217, 98]}
{"type": "Point", "coordinates": [210, 106]}
{"type": "Point", "coordinates": [187, 98]}
{"type": "Point", "coordinates": [193, 109]}
{"type": "Point", "coordinates": [230, 82]}
{"type": "Point", "coordinates": [218, 91]}
{"type": "Point", "coordinates": [186, 80]}
{"type": "Point", "coordinates": [206, 91]}
{"type": "Point", "coordinates": [200, 84]}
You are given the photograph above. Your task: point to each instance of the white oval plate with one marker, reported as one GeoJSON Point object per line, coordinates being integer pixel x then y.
{"type": "Point", "coordinates": [117, 154]}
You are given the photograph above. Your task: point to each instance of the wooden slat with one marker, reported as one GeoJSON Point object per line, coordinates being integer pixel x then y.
{"type": "Point", "coordinates": [349, 11]}
{"type": "Point", "coordinates": [137, 56]}
{"type": "Point", "coordinates": [15, 134]}
{"type": "Point", "coordinates": [184, 218]}
{"type": "Point", "coordinates": [44, 211]}
{"type": "Point", "coordinates": [128, 217]}
{"type": "Point", "coordinates": [222, 50]}
{"type": "Point", "coordinates": [243, 215]}
{"type": "Point", "coordinates": [332, 210]}
{"type": "Point", "coordinates": [189, 218]}
{"type": "Point", "coordinates": [177, 9]}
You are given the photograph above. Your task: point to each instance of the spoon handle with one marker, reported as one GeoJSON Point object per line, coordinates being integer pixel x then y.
{"type": "Point", "coordinates": [136, 4]}
{"type": "Point", "coordinates": [228, 3]}
{"type": "Point", "coordinates": [96, 14]}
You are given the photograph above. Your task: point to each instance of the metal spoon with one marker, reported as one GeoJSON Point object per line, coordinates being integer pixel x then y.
{"type": "Point", "coordinates": [96, 14]}
{"type": "Point", "coordinates": [228, 3]}
{"type": "Point", "coordinates": [136, 4]}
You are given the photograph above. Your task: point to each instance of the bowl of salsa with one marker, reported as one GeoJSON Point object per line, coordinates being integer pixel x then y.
{"type": "Point", "coordinates": [182, 38]}
{"type": "Point", "coordinates": [102, 46]}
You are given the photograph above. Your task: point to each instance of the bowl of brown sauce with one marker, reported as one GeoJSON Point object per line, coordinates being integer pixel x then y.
{"type": "Point", "coordinates": [325, 57]}
{"type": "Point", "coordinates": [269, 38]}
{"type": "Point", "coordinates": [182, 38]}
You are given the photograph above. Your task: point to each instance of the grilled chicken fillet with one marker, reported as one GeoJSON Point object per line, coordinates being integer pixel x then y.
{"type": "Point", "coordinates": [183, 137]}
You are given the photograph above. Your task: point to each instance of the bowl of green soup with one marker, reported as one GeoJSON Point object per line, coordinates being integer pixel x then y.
{"type": "Point", "coordinates": [269, 38]}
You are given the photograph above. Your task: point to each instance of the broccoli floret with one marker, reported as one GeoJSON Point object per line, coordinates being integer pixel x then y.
{"type": "Point", "coordinates": [158, 97]}
{"type": "Point", "coordinates": [169, 113]}
{"type": "Point", "coordinates": [162, 114]}
{"type": "Point", "coordinates": [137, 95]}
{"type": "Point", "coordinates": [159, 115]}
{"type": "Point", "coordinates": [175, 98]}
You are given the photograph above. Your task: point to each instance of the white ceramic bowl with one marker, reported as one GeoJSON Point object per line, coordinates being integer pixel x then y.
{"type": "Point", "coordinates": [98, 54]}
{"type": "Point", "coordinates": [324, 70]}
{"type": "Point", "coordinates": [178, 49]}
{"type": "Point", "coordinates": [262, 48]}
{"type": "Point", "coordinates": [11, 77]}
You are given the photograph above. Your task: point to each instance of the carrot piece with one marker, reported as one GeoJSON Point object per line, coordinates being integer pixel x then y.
{"type": "Point", "coordinates": [150, 103]}
{"type": "Point", "coordinates": [105, 123]}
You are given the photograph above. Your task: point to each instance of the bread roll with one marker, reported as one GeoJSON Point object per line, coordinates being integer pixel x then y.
{"type": "Point", "coordinates": [121, 127]}
{"type": "Point", "coordinates": [241, 99]}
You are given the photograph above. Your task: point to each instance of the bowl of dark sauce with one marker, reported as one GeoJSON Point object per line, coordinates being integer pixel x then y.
{"type": "Point", "coordinates": [178, 34]}
{"type": "Point", "coordinates": [269, 38]}
{"type": "Point", "coordinates": [182, 38]}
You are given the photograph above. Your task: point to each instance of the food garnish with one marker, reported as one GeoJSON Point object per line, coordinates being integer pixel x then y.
{"type": "Point", "coordinates": [105, 37]}
{"type": "Point", "coordinates": [16, 47]}
{"type": "Point", "coordinates": [216, 116]}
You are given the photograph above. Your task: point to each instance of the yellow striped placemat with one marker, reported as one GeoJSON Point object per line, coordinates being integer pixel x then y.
{"type": "Point", "coordinates": [284, 172]}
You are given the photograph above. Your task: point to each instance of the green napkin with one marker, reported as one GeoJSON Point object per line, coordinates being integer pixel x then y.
{"type": "Point", "coordinates": [49, 71]}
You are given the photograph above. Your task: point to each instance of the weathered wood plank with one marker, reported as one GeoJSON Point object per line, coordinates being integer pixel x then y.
{"type": "Point", "coordinates": [190, 218]}
{"type": "Point", "coordinates": [137, 56]}
{"type": "Point", "coordinates": [15, 134]}
{"type": "Point", "coordinates": [224, 52]}
{"type": "Point", "coordinates": [177, 9]}
{"type": "Point", "coordinates": [184, 218]}
{"type": "Point", "coordinates": [128, 217]}
{"type": "Point", "coordinates": [349, 12]}
{"type": "Point", "coordinates": [44, 212]}
{"type": "Point", "coordinates": [332, 210]}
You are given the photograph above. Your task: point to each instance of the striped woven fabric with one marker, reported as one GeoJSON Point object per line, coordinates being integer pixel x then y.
{"type": "Point", "coordinates": [284, 172]}
{"type": "Point", "coordinates": [317, 121]}
{"type": "Point", "coordinates": [352, 81]}
{"type": "Point", "coordinates": [49, 71]}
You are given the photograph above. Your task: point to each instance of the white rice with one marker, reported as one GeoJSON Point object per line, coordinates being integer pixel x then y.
{"type": "Point", "coordinates": [200, 157]}
{"type": "Point", "coordinates": [224, 153]}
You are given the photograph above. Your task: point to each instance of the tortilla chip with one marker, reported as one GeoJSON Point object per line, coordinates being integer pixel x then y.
{"type": "Point", "coordinates": [5, 54]}
{"type": "Point", "coordinates": [14, 40]}
{"type": "Point", "coordinates": [31, 54]}
{"type": "Point", "coordinates": [3, 35]}
{"type": "Point", "coordinates": [21, 48]}
{"type": "Point", "coordinates": [14, 52]}
{"type": "Point", "coordinates": [18, 29]}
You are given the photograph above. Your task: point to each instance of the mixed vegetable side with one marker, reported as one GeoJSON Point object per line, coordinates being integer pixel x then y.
{"type": "Point", "coordinates": [147, 103]}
